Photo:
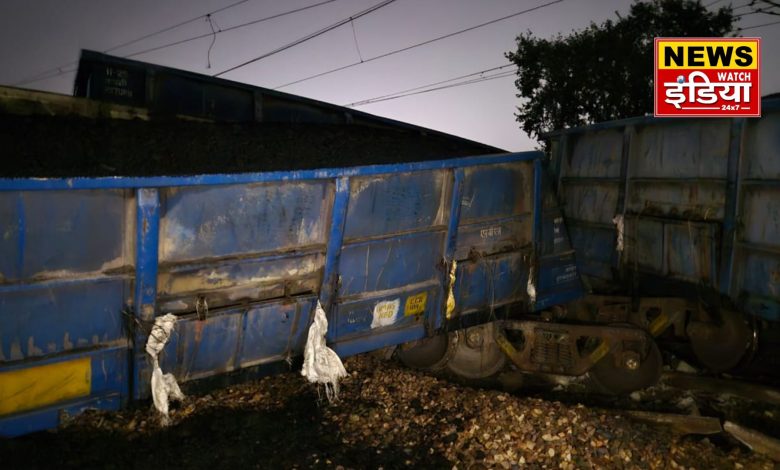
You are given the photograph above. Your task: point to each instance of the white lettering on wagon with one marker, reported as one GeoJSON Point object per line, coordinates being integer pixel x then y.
{"type": "Point", "coordinates": [490, 232]}
{"type": "Point", "coordinates": [385, 313]}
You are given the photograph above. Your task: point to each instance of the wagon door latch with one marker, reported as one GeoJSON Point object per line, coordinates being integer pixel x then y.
{"type": "Point", "coordinates": [201, 307]}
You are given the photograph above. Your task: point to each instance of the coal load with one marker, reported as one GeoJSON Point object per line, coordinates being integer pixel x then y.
{"type": "Point", "coordinates": [72, 145]}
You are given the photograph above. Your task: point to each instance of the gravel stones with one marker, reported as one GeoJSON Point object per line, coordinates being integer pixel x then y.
{"type": "Point", "coordinates": [387, 417]}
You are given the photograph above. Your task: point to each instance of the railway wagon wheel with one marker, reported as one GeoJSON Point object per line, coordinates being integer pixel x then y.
{"type": "Point", "coordinates": [471, 353]}
{"type": "Point", "coordinates": [627, 367]}
{"type": "Point", "coordinates": [476, 354]}
{"type": "Point", "coordinates": [720, 342]}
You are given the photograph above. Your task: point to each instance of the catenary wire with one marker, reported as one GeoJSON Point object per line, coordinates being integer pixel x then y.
{"type": "Point", "coordinates": [39, 76]}
{"type": "Point", "coordinates": [760, 25]}
{"type": "Point", "coordinates": [424, 43]}
{"type": "Point", "coordinates": [444, 87]}
{"type": "Point", "coordinates": [308, 37]}
{"type": "Point", "coordinates": [408, 90]}
{"type": "Point", "coordinates": [60, 71]}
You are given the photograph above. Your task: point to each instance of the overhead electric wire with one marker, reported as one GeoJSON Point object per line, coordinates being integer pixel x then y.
{"type": "Point", "coordinates": [229, 28]}
{"type": "Point", "coordinates": [740, 7]}
{"type": "Point", "coordinates": [760, 25]}
{"type": "Point", "coordinates": [452, 85]}
{"type": "Point", "coordinates": [40, 75]}
{"type": "Point", "coordinates": [428, 90]}
{"type": "Point", "coordinates": [424, 43]}
{"type": "Point", "coordinates": [308, 37]}
{"type": "Point", "coordinates": [169, 28]}
{"type": "Point", "coordinates": [58, 71]}
{"type": "Point", "coordinates": [378, 98]}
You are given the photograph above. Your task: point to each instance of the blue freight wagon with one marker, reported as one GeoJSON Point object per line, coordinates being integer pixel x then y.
{"type": "Point", "coordinates": [681, 218]}
{"type": "Point", "coordinates": [402, 253]}
{"type": "Point", "coordinates": [462, 263]}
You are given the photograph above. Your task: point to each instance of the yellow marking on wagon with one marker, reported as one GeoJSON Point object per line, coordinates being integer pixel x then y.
{"type": "Point", "coordinates": [415, 304]}
{"type": "Point", "coordinates": [36, 387]}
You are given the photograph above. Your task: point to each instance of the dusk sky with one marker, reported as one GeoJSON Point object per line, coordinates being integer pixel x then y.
{"type": "Point", "coordinates": [40, 35]}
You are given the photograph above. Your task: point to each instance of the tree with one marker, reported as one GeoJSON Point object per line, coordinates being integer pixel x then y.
{"type": "Point", "coordinates": [603, 72]}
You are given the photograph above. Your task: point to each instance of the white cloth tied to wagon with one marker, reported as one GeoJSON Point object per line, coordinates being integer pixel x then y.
{"type": "Point", "coordinates": [164, 386]}
{"type": "Point", "coordinates": [619, 222]}
{"type": "Point", "coordinates": [320, 363]}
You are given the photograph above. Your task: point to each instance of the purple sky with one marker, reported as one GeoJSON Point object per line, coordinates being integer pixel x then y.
{"type": "Point", "coordinates": [40, 34]}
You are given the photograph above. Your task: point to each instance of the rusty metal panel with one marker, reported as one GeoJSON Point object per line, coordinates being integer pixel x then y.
{"type": "Point", "coordinates": [496, 191]}
{"type": "Point", "coordinates": [390, 263]}
{"type": "Point", "coordinates": [492, 237]}
{"type": "Point", "coordinates": [590, 201]}
{"type": "Point", "coordinates": [698, 200]}
{"type": "Point", "coordinates": [490, 282]}
{"type": "Point", "coordinates": [66, 263]}
{"type": "Point", "coordinates": [690, 251]}
{"type": "Point", "coordinates": [761, 276]}
{"type": "Point", "coordinates": [397, 311]}
{"type": "Point", "coordinates": [389, 282]}
{"type": "Point", "coordinates": [762, 147]}
{"type": "Point", "coordinates": [644, 245]}
{"type": "Point", "coordinates": [594, 247]}
{"type": "Point", "coordinates": [756, 279]}
{"type": "Point", "coordinates": [66, 318]}
{"type": "Point", "coordinates": [229, 283]}
{"type": "Point", "coordinates": [44, 235]}
{"type": "Point", "coordinates": [590, 190]}
{"type": "Point", "coordinates": [235, 338]}
{"type": "Point", "coordinates": [217, 221]}
{"type": "Point", "coordinates": [206, 347]}
{"type": "Point", "coordinates": [672, 249]}
{"type": "Point", "coordinates": [684, 149]}
{"type": "Point", "coordinates": [679, 169]}
{"type": "Point", "coordinates": [595, 155]}
{"type": "Point", "coordinates": [394, 203]}
{"type": "Point", "coordinates": [761, 215]}
{"type": "Point", "coordinates": [275, 331]}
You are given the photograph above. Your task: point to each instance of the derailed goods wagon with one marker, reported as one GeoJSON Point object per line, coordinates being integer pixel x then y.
{"type": "Point", "coordinates": [678, 220]}
{"type": "Point", "coordinates": [394, 252]}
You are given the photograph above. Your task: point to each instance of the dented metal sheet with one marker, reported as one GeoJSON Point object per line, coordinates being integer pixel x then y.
{"type": "Point", "coordinates": [66, 263]}
{"type": "Point", "coordinates": [389, 263]}
{"type": "Point", "coordinates": [233, 281]}
{"type": "Point", "coordinates": [760, 277]}
{"type": "Point", "coordinates": [762, 147]}
{"type": "Point", "coordinates": [699, 201]}
{"type": "Point", "coordinates": [693, 200]}
{"type": "Point", "coordinates": [71, 317]}
{"type": "Point", "coordinates": [242, 261]}
{"type": "Point", "coordinates": [493, 237]}
{"type": "Point", "coordinates": [490, 282]}
{"type": "Point", "coordinates": [236, 338]}
{"type": "Point", "coordinates": [496, 191]}
{"type": "Point", "coordinates": [677, 250]}
{"type": "Point", "coordinates": [217, 221]}
{"type": "Point", "coordinates": [383, 205]}
{"type": "Point", "coordinates": [390, 310]}
{"type": "Point", "coordinates": [591, 201]}
{"type": "Point", "coordinates": [595, 155]}
{"type": "Point", "coordinates": [761, 206]}
{"type": "Point", "coordinates": [43, 235]}
{"type": "Point", "coordinates": [681, 150]}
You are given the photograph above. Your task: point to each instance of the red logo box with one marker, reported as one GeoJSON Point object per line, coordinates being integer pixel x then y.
{"type": "Point", "coordinates": [707, 77]}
